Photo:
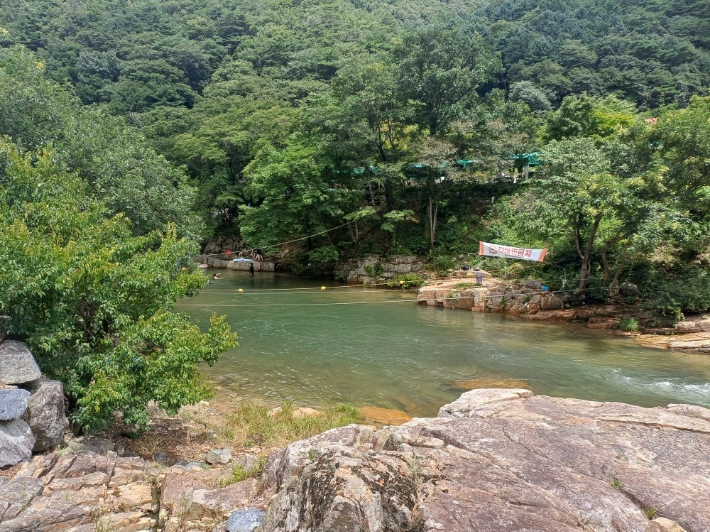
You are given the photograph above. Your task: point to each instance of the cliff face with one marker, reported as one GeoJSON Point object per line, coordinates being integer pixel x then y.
{"type": "Point", "coordinates": [502, 460]}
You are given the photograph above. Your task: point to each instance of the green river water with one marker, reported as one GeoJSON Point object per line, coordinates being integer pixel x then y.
{"type": "Point", "coordinates": [377, 347]}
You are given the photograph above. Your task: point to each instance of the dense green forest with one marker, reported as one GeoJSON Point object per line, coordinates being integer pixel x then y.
{"type": "Point", "coordinates": [136, 129]}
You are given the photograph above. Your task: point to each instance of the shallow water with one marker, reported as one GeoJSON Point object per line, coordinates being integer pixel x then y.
{"type": "Point", "coordinates": [378, 347]}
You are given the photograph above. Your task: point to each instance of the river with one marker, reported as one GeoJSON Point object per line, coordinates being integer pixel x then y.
{"type": "Point", "coordinates": [378, 347]}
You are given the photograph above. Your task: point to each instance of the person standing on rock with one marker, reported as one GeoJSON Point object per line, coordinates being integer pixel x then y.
{"type": "Point", "coordinates": [479, 277]}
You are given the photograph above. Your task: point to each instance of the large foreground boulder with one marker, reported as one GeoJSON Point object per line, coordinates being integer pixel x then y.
{"type": "Point", "coordinates": [501, 460]}
{"type": "Point", "coordinates": [16, 442]}
{"type": "Point", "coordinates": [46, 413]}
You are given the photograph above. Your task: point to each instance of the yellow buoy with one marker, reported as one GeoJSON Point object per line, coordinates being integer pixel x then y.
{"type": "Point", "coordinates": [322, 287]}
{"type": "Point", "coordinates": [240, 290]}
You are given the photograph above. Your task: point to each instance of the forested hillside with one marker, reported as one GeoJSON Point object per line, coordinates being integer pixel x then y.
{"type": "Point", "coordinates": [408, 125]}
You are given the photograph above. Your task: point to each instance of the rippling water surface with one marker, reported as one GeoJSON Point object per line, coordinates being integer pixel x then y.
{"type": "Point", "coordinates": [363, 346]}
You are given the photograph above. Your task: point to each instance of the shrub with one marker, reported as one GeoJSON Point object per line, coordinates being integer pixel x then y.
{"type": "Point", "coordinates": [239, 473]}
{"type": "Point", "coordinates": [93, 301]}
{"type": "Point", "coordinates": [629, 325]}
{"type": "Point", "coordinates": [441, 264]}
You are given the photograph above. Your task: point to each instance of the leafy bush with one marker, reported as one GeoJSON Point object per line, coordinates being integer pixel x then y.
{"type": "Point", "coordinates": [374, 270]}
{"type": "Point", "coordinates": [629, 325]}
{"type": "Point", "coordinates": [675, 291]}
{"type": "Point", "coordinates": [93, 301]}
{"type": "Point", "coordinates": [441, 264]}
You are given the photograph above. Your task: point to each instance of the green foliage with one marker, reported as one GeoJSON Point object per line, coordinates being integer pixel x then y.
{"type": "Point", "coordinates": [291, 119]}
{"type": "Point", "coordinates": [677, 289]}
{"type": "Point", "coordinates": [650, 512]}
{"type": "Point", "coordinates": [239, 473]}
{"type": "Point", "coordinates": [629, 325]}
{"type": "Point", "coordinates": [442, 264]}
{"type": "Point", "coordinates": [585, 116]}
{"type": "Point", "coordinates": [110, 155]}
{"type": "Point", "coordinates": [324, 255]}
{"type": "Point", "coordinates": [375, 270]}
{"type": "Point", "coordinates": [251, 423]}
{"type": "Point", "coordinates": [93, 301]}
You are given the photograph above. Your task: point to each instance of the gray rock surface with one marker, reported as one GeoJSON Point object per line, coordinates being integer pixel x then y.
{"type": "Point", "coordinates": [91, 444]}
{"type": "Point", "coordinates": [45, 413]}
{"type": "Point", "coordinates": [500, 460]}
{"type": "Point", "coordinates": [16, 442]}
{"type": "Point", "coordinates": [244, 520]}
{"type": "Point", "coordinates": [219, 456]}
{"type": "Point", "coordinates": [248, 461]}
{"type": "Point", "coordinates": [17, 365]}
{"type": "Point", "coordinates": [13, 403]}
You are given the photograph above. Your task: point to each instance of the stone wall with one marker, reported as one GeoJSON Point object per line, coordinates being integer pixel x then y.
{"type": "Point", "coordinates": [32, 409]}
{"type": "Point", "coordinates": [373, 268]}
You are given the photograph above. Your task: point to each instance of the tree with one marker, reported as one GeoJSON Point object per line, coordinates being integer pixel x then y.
{"type": "Point", "coordinates": [111, 155]}
{"type": "Point", "coordinates": [439, 71]}
{"type": "Point", "coordinates": [94, 301]}
{"type": "Point", "coordinates": [294, 193]}
{"type": "Point", "coordinates": [575, 192]}
{"type": "Point", "coordinates": [586, 116]}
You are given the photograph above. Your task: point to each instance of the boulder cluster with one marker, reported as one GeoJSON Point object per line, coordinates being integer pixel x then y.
{"type": "Point", "coordinates": [32, 409]}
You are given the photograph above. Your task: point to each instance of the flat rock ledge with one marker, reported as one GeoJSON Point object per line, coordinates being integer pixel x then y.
{"type": "Point", "coordinates": [502, 460]}
{"type": "Point", "coordinates": [494, 460]}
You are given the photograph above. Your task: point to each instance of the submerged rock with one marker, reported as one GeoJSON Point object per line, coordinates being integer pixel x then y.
{"type": "Point", "coordinates": [387, 416]}
{"type": "Point", "coordinates": [475, 384]}
{"type": "Point", "coordinates": [501, 460]}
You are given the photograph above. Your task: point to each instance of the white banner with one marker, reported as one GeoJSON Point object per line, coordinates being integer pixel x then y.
{"type": "Point", "coordinates": [508, 252]}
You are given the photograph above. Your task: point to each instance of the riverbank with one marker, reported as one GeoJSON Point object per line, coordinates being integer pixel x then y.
{"type": "Point", "coordinates": [527, 300]}
{"type": "Point", "coordinates": [490, 460]}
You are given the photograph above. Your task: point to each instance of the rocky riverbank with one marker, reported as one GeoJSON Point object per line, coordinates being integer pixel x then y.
{"type": "Point", "coordinates": [527, 300]}
{"type": "Point", "coordinates": [494, 460]}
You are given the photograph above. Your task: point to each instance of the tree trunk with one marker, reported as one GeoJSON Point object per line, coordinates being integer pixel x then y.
{"type": "Point", "coordinates": [587, 257]}
{"type": "Point", "coordinates": [433, 211]}
{"type": "Point", "coordinates": [613, 291]}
